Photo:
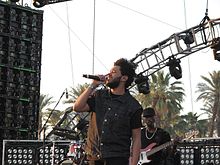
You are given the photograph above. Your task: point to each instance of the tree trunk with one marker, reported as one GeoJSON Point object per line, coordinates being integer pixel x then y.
{"type": "Point", "coordinates": [154, 103]}
{"type": "Point", "coordinates": [218, 126]}
{"type": "Point", "coordinates": [218, 122]}
{"type": "Point", "coordinates": [214, 115]}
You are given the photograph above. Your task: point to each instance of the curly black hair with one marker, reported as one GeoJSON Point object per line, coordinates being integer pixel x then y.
{"type": "Point", "coordinates": [127, 68]}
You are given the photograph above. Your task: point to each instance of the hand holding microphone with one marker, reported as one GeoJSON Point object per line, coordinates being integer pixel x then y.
{"type": "Point", "coordinates": [95, 77]}
{"type": "Point", "coordinates": [97, 80]}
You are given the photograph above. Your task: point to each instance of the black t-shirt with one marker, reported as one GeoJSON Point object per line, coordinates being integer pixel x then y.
{"type": "Point", "coordinates": [116, 116]}
{"type": "Point", "coordinates": [135, 123]}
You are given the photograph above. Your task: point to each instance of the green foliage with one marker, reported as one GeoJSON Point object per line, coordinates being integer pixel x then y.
{"type": "Point", "coordinates": [209, 94]}
{"type": "Point", "coordinates": [44, 102]}
{"type": "Point", "coordinates": [166, 98]}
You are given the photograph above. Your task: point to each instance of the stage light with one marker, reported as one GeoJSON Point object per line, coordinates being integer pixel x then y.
{"type": "Point", "coordinates": [210, 154]}
{"type": "Point", "coordinates": [40, 3]}
{"type": "Point", "coordinates": [31, 152]}
{"type": "Point", "coordinates": [174, 67]}
{"type": "Point", "coordinates": [187, 155]}
{"type": "Point", "coordinates": [216, 48]}
{"type": "Point", "coordinates": [20, 155]}
{"type": "Point", "coordinates": [142, 84]}
{"type": "Point", "coordinates": [200, 151]}
{"type": "Point", "coordinates": [15, 1]}
{"type": "Point", "coordinates": [48, 153]}
{"type": "Point", "coordinates": [188, 38]}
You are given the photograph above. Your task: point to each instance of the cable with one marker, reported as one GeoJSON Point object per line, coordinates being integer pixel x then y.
{"type": "Point", "coordinates": [94, 16]}
{"type": "Point", "coordinates": [188, 60]}
{"type": "Point", "coordinates": [144, 15]}
{"type": "Point", "coordinates": [70, 47]}
{"type": "Point", "coordinates": [78, 37]}
{"type": "Point", "coordinates": [93, 51]}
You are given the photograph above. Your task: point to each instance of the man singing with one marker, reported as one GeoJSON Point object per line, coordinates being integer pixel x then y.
{"type": "Point", "coordinates": [115, 117]}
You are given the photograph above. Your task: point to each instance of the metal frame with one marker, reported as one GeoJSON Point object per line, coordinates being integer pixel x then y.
{"type": "Point", "coordinates": [150, 60]}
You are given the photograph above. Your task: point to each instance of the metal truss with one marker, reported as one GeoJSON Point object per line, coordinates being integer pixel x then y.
{"type": "Point", "coordinates": [179, 45]}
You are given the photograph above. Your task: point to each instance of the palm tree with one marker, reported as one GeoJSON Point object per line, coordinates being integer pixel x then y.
{"type": "Point", "coordinates": [80, 119]}
{"type": "Point", "coordinates": [190, 122]}
{"type": "Point", "coordinates": [74, 93]}
{"type": "Point", "coordinates": [55, 116]}
{"type": "Point", "coordinates": [210, 95]}
{"type": "Point", "coordinates": [44, 102]}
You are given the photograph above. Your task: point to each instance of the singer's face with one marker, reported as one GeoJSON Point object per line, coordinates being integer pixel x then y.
{"type": "Point", "coordinates": [114, 77]}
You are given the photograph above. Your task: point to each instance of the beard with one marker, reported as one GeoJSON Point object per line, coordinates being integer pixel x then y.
{"type": "Point", "coordinates": [114, 83]}
{"type": "Point", "coordinates": [151, 123]}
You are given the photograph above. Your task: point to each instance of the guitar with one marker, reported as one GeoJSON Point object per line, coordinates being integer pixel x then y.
{"type": "Point", "coordinates": [150, 149]}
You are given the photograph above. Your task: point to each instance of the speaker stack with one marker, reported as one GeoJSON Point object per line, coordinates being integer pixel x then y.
{"type": "Point", "coordinates": [20, 71]}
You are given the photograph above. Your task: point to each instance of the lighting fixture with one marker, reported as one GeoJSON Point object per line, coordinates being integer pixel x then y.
{"type": "Point", "coordinates": [174, 67]}
{"type": "Point", "coordinates": [40, 3]}
{"type": "Point", "coordinates": [142, 84]}
{"type": "Point", "coordinates": [14, 1]}
{"type": "Point", "coordinates": [210, 155]}
{"type": "Point", "coordinates": [188, 38]}
{"type": "Point", "coordinates": [216, 48]}
{"type": "Point", "coordinates": [30, 152]}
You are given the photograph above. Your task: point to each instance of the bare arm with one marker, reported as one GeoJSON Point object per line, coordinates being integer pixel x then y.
{"type": "Point", "coordinates": [81, 102]}
{"type": "Point", "coordinates": [136, 146]}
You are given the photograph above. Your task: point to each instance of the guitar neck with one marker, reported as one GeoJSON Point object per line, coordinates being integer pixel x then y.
{"type": "Point", "coordinates": [156, 149]}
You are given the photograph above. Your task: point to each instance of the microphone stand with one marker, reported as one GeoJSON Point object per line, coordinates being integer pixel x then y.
{"type": "Point", "coordinates": [51, 112]}
{"type": "Point", "coordinates": [44, 126]}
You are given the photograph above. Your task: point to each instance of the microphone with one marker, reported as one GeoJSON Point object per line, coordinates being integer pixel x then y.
{"type": "Point", "coordinates": [67, 95]}
{"type": "Point", "coordinates": [91, 77]}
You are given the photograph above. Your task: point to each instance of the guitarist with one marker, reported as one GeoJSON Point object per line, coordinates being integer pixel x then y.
{"type": "Point", "coordinates": [152, 136]}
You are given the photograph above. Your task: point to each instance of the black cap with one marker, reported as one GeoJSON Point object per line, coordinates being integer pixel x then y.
{"type": "Point", "coordinates": [148, 112]}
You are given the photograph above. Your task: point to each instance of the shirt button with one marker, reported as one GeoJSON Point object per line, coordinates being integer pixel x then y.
{"type": "Point", "coordinates": [105, 120]}
{"type": "Point", "coordinates": [101, 144]}
{"type": "Point", "coordinates": [109, 108]}
{"type": "Point", "coordinates": [102, 131]}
